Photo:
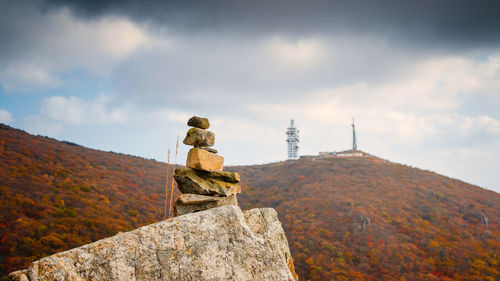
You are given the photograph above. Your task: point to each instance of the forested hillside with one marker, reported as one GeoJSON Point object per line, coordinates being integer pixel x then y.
{"type": "Point", "coordinates": [369, 219]}
{"type": "Point", "coordinates": [345, 219]}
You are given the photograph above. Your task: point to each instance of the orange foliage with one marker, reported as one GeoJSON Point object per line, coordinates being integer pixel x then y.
{"type": "Point", "coordinates": [369, 219]}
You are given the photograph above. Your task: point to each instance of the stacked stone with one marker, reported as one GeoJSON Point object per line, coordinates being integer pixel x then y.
{"type": "Point", "coordinates": [203, 184]}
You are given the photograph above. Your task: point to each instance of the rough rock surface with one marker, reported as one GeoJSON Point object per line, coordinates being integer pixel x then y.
{"type": "Point", "coordinates": [203, 160]}
{"type": "Point", "coordinates": [199, 137]}
{"type": "Point", "coordinates": [218, 244]}
{"type": "Point", "coordinates": [207, 183]}
{"type": "Point", "coordinates": [190, 203]}
{"type": "Point", "coordinates": [199, 122]}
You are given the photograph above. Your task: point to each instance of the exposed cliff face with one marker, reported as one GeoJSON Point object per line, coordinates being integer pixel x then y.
{"type": "Point", "coordinates": [218, 244]}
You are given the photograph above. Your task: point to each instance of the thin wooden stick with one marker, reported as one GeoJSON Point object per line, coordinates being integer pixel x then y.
{"type": "Point", "coordinates": [171, 209]}
{"type": "Point", "coordinates": [166, 188]}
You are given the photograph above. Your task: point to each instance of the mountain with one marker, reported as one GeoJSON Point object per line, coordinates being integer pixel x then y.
{"type": "Point", "coordinates": [345, 218]}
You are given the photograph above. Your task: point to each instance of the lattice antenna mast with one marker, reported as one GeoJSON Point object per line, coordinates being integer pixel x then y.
{"type": "Point", "coordinates": [293, 141]}
{"type": "Point", "coordinates": [354, 143]}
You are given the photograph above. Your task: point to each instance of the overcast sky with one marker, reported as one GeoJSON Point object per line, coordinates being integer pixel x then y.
{"type": "Point", "coordinates": [421, 78]}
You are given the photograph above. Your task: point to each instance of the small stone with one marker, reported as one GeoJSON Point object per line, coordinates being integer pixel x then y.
{"type": "Point", "coordinates": [199, 122]}
{"type": "Point", "coordinates": [207, 183]}
{"type": "Point", "coordinates": [209, 149]}
{"type": "Point", "coordinates": [190, 203]}
{"type": "Point", "coordinates": [203, 160]}
{"type": "Point", "coordinates": [198, 137]}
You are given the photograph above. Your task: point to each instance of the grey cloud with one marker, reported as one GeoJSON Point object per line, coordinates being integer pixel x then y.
{"type": "Point", "coordinates": [16, 28]}
{"type": "Point", "coordinates": [447, 23]}
{"type": "Point", "coordinates": [224, 72]}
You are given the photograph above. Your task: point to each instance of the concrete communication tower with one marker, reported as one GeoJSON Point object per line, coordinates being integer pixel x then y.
{"type": "Point", "coordinates": [354, 143]}
{"type": "Point", "coordinates": [293, 141]}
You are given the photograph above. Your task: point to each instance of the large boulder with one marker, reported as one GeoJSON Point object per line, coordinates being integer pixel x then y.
{"type": "Point", "coordinates": [218, 244]}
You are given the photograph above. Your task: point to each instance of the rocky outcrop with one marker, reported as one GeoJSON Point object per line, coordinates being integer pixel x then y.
{"type": "Point", "coordinates": [221, 243]}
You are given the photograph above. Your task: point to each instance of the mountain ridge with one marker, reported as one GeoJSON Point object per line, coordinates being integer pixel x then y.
{"type": "Point", "coordinates": [70, 143]}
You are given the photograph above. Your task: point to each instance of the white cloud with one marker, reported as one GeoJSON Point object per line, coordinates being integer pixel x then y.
{"type": "Point", "coordinates": [95, 43]}
{"type": "Point", "coordinates": [245, 132]}
{"type": "Point", "coordinates": [58, 42]}
{"type": "Point", "coordinates": [57, 112]}
{"type": "Point", "coordinates": [299, 54]}
{"type": "Point", "coordinates": [76, 111]}
{"type": "Point", "coordinates": [41, 125]}
{"type": "Point", "coordinates": [444, 83]}
{"type": "Point", "coordinates": [175, 116]}
{"type": "Point", "coordinates": [418, 108]}
{"type": "Point", "coordinates": [5, 117]}
{"type": "Point", "coordinates": [467, 152]}
{"type": "Point", "coordinates": [21, 76]}
{"type": "Point", "coordinates": [481, 122]}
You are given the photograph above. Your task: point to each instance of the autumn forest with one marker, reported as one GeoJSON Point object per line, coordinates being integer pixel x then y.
{"type": "Point", "coordinates": [345, 219]}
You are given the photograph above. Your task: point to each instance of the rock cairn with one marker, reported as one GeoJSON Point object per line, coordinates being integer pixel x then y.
{"type": "Point", "coordinates": [203, 184]}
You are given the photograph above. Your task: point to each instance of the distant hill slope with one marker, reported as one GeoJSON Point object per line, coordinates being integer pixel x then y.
{"type": "Point", "coordinates": [370, 219]}
{"type": "Point", "coordinates": [345, 219]}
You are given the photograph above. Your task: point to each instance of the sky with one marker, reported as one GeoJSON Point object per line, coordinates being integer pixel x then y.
{"type": "Point", "coordinates": [421, 78]}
